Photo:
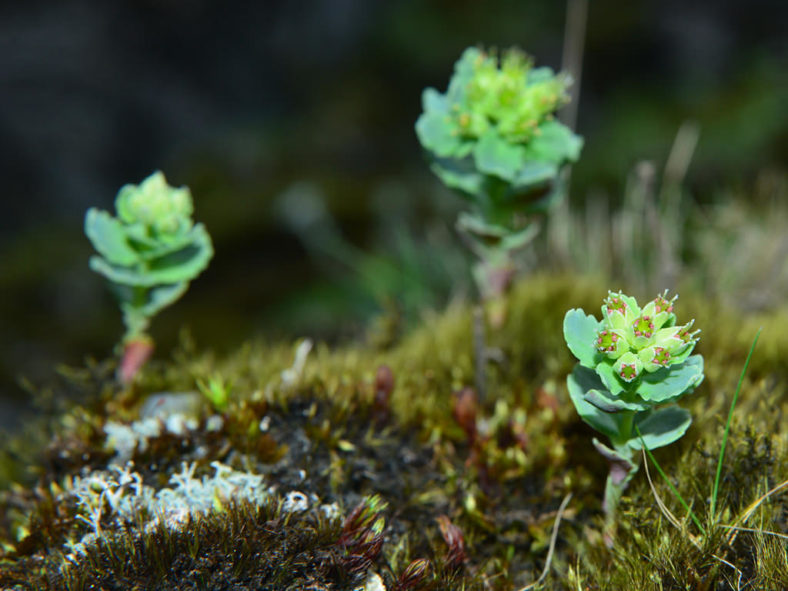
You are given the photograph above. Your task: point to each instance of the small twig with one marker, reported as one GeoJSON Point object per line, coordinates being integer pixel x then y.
{"type": "Point", "coordinates": [738, 582]}
{"type": "Point", "coordinates": [751, 509]}
{"type": "Point", "coordinates": [553, 538]}
{"type": "Point", "coordinates": [660, 503]}
{"type": "Point", "coordinates": [572, 60]}
{"type": "Point", "coordinates": [755, 531]}
{"type": "Point", "coordinates": [480, 352]}
{"type": "Point", "coordinates": [663, 507]}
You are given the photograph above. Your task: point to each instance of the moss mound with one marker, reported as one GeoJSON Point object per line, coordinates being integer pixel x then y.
{"type": "Point", "coordinates": [377, 460]}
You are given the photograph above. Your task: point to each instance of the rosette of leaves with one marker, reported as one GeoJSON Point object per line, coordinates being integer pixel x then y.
{"type": "Point", "coordinates": [634, 364]}
{"type": "Point", "coordinates": [493, 138]}
{"type": "Point", "coordinates": [149, 252]}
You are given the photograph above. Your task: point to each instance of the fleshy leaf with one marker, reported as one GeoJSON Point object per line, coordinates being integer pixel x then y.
{"type": "Point", "coordinates": [117, 274]}
{"type": "Point", "coordinates": [608, 376]}
{"type": "Point", "coordinates": [496, 156]}
{"type": "Point", "coordinates": [468, 181]}
{"type": "Point", "coordinates": [434, 102]}
{"type": "Point", "coordinates": [435, 134]}
{"type": "Point", "coordinates": [605, 401]}
{"type": "Point", "coordinates": [580, 333]}
{"type": "Point", "coordinates": [521, 238]}
{"type": "Point", "coordinates": [661, 427]}
{"type": "Point", "coordinates": [162, 296]}
{"type": "Point", "coordinates": [671, 382]}
{"type": "Point", "coordinates": [534, 172]}
{"type": "Point", "coordinates": [580, 381]}
{"type": "Point", "coordinates": [555, 143]}
{"type": "Point", "coordinates": [108, 237]}
{"type": "Point", "coordinates": [183, 265]}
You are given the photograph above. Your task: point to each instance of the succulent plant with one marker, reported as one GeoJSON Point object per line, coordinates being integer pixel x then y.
{"type": "Point", "coordinates": [149, 253]}
{"type": "Point", "coordinates": [634, 364]}
{"type": "Point", "coordinates": [493, 138]}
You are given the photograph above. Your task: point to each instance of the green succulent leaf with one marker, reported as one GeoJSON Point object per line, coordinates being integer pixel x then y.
{"type": "Point", "coordinates": [661, 427]}
{"type": "Point", "coordinates": [671, 382]}
{"type": "Point", "coordinates": [109, 238]}
{"type": "Point", "coordinates": [580, 331]}
{"type": "Point", "coordinates": [478, 226]}
{"type": "Point", "coordinates": [186, 263]}
{"type": "Point", "coordinates": [182, 265]}
{"type": "Point", "coordinates": [433, 101]}
{"type": "Point", "coordinates": [520, 238]}
{"type": "Point", "coordinates": [162, 296]}
{"type": "Point", "coordinates": [495, 156]}
{"type": "Point", "coordinates": [539, 75]}
{"type": "Point", "coordinates": [534, 173]}
{"type": "Point", "coordinates": [555, 143]}
{"type": "Point", "coordinates": [435, 134]}
{"type": "Point", "coordinates": [116, 273]}
{"type": "Point", "coordinates": [580, 381]}
{"type": "Point", "coordinates": [608, 376]}
{"type": "Point", "coordinates": [456, 176]}
{"type": "Point", "coordinates": [463, 74]}
{"type": "Point", "coordinates": [607, 402]}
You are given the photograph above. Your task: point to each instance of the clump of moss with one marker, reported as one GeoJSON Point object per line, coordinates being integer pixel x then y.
{"type": "Point", "coordinates": [496, 470]}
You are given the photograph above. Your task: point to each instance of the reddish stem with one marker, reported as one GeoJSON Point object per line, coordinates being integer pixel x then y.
{"type": "Point", "coordinates": [135, 354]}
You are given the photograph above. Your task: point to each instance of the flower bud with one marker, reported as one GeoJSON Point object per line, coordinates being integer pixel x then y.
{"type": "Point", "coordinates": [161, 209]}
{"type": "Point", "coordinates": [654, 358]}
{"type": "Point", "coordinates": [642, 331]}
{"type": "Point", "coordinates": [612, 343]}
{"type": "Point", "coordinates": [617, 310]}
{"type": "Point", "coordinates": [660, 309]}
{"type": "Point", "coordinates": [686, 336]}
{"type": "Point", "coordinates": [669, 339]}
{"type": "Point", "coordinates": [628, 366]}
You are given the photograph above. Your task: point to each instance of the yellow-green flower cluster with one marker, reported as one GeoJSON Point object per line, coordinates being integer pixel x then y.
{"type": "Point", "coordinates": [159, 210]}
{"type": "Point", "coordinates": [513, 98]}
{"type": "Point", "coordinates": [644, 339]}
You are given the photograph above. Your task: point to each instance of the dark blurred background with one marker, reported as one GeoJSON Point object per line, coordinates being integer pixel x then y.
{"type": "Point", "coordinates": [292, 122]}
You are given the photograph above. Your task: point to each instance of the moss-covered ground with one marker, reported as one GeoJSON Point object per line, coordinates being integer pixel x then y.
{"type": "Point", "coordinates": [469, 489]}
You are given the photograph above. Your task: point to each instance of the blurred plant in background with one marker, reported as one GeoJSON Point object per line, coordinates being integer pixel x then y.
{"type": "Point", "coordinates": [492, 138]}
{"type": "Point", "coordinates": [738, 245]}
{"type": "Point", "coordinates": [411, 267]}
{"type": "Point", "coordinates": [641, 242]}
{"type": "Point", "coordinates": [149, 253]}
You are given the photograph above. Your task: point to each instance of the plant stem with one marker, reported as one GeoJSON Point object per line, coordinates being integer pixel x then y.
{"type": "Point", "coordinates": [628, 420]}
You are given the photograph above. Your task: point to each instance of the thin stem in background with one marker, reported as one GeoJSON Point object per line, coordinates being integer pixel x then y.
{"type": "Point", "coordinates": [480, 352]}
{"type": "Point", "coordinates": [571, 62]}
{"type": "Point", "coordinates": [572, 59]}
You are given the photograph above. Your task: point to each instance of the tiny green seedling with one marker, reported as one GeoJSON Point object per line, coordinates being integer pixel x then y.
{"type": "Point", "coordinates": [216, 390]}
{"type": "Point", "coordinates": [493, 138]}
{"type": "Point", "coordinates": [149, 253]}
{"type": "Point", "coordinates": [634, 365]}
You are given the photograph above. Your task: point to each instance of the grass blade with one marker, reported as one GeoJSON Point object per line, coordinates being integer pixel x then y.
{"type": "Point", "coordinates": [716, 488]}
{"type": "Point", "coordinates": [670, 484]}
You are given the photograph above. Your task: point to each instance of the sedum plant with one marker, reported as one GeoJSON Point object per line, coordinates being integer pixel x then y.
{"type": "Point", "coordinates": [493, 138]}
{"type": "Point", "coordinates": [634, 365]}
{"type": "Point", "coordinates": [149, 252]}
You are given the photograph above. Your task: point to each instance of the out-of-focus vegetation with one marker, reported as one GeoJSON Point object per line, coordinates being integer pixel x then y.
{"type": "Point", "coordinates": [257, 107]}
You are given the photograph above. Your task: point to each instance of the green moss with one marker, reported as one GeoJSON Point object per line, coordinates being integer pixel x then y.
{"type": "Point", "coordinates": [333, 434]}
